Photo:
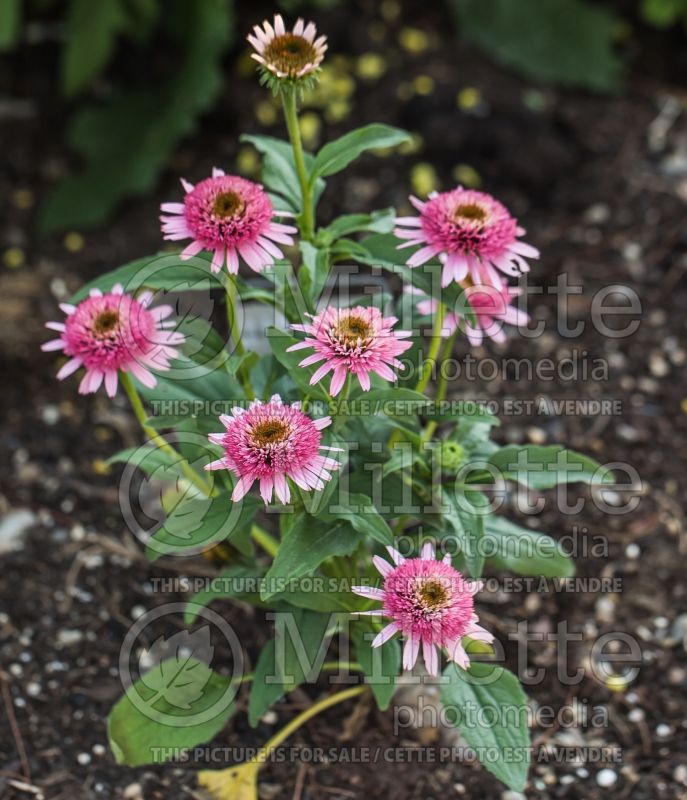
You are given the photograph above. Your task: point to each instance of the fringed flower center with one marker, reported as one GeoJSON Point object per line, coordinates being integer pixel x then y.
{"type": "Point", "coordinates": [352, 329]}
{"type": "Point", "coordinates": [106, 323]}
{"type": "Point", "coordinates": [471, 212]}
{"type": "Point", "coordinates": [228, 204]}
{"type": "Point", "coordinates": [270, 432]}
{"type": "Point", "coordinates": [433, 594]}
{"type": "Point", "coordinates": [290, 53]}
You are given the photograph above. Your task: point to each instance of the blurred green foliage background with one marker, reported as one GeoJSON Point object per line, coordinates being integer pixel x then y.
{"type": "Point", "coordinates": [126, 134]}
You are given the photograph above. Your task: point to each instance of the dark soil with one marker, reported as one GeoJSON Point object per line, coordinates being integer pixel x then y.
{"type": "Point", "coordinates": [601, 184]}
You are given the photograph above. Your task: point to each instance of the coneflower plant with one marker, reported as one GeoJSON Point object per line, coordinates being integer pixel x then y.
{"type": "Point", "coordinates": [344, 485]}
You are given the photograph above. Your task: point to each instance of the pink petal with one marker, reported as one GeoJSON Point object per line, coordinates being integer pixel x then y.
{"type": "Point", "coordinates": [385, 634]}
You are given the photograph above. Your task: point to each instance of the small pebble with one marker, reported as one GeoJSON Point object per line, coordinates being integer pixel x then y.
{"type": "Point", "coordinates": [50, 415]}
{"type": "Point", "coordinates": [597, 214]}
{"type": "Point", "coordinates": [633, 551]}
{"type": "Point", "coordinates": [658, 366]}
{"type": "Point", "coordinates": [137, 612]}
{"type": "Point", "coordinates": [676, 676]}
{"type": "Point", "coordinates": [13, 529]}
{"type": "Point", "coordinates": [133, 791]}
{"type": "Point", "coordinates": [663, 730]}
{"type": "Point", "coordinates": [606, 778]}
{"type": "Point", "coordinates": [68, 636]}
{"type": "Point", "coordinates": [98, 750]}
{"type": "Point", "coordinates": [680, 774]}
{"type": "Point", "coordinates": [77, 533]}
{"type": "Point", "coordinates": [605, 609]}
{"type": "Point", "coordinates": [536, 435]}
{"type": "Point", "coordinates": [33, 689]}
{"type": "Point", "coordinates": [84, 759]}
{"type": "Point", "coordinates": [636, 715]}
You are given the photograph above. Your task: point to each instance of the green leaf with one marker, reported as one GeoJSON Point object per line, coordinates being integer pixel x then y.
{"type": "Point", "coordinates": [502, 744]}
{"type": "Point", "coordinates": [279, 342]}
{"type": "Point", "coordinates": [324, 601]}
{"type": "Point", "coordinates": [92, 30]}
{"type": "Point", "coordinates": [127, 140]}
{"type": "Point", "coordinates": [466, 516]}
{"type": "Point", "coordinates": [525, 552]}
{"type": "Point", "coordinates": [159, 271]}
{"type": "Point", "coordinates": [381, 665]}
{"type": "Point", "coordinates": [237, 582]}
{"type": "Point", "coordinates": [305, 547]}
{"type": "Point", "coordinates": [337, 155]}
{"type": "Point", "coordinates": [461, 411]}
{"type": "Point", "coordinates": [264, 692]}
{"type": "Point", "coordinates": [300, 645]}
{"type": "Point", "coordinates": [543, 467]}
{"type": "Point", "coordinates": [279, 169]}
{"type": "Point", "coordinates": [178, 704]}
{"type": "Point", "coordinates": [394, 402]}
{"type": "Point", "coordinates": [569, 42]}
{"type": "Point", "coordinates": [10, 21]}
{"type": "Point", "coordinates": [361, 514]}
{"type": "Point", "coordinates": [150, 460]}
{"type": "Point", "coordinates": [377, 222]}
{"type": "Point", "coordinates": [196, 523]}
{"type": "Point", "coordinates": [316, 265]}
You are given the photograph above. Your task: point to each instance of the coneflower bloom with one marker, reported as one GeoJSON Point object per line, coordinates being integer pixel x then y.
{"type": "Point", "coordinates": [109, 332]}
{"type": "Point", "coordinates": [230, 217]}
{"type": "Point", "coordinates": [470, 232]}
{"type": "Point", "coordinates": [288, 54]}
{"type": "Point", "coordinates": [270, 442]}
{"type": "Point", "coordinates": [492, 308]}
{"type": "Point", "coordinates": [355, 340]}
{"type": "Point", "coordinates": [430, 604]}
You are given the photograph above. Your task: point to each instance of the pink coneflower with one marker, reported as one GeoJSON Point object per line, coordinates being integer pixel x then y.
{"type": "Point", "coordinates": [355, 340]}
{"type": "Point", "coordinates": [110, 332]}
{"type": "Point", "coordinates": [429, 602]}
{"type": "Point", "coordinates": [470, 232]}
{"type": "Point", "coordinates": [492, 307]}
{"type": "Point", "coordinates": [270, 442]}
{"type": "Point", "coordinates": [288, 54]}
{"type": "Point", "coordinates": [229, 216]}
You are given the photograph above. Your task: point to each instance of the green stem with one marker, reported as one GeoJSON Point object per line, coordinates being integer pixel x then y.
{"type": "Point", "coordinates": [291, 117]}
{"type": "Point", "coordinates": [268, 543]}
{"type": "Point", "coordinates": [328, 666]}
{"type": "Point", "coordinates": [309, 713]}
{"type": "Point", "coordinates": [434, 346]}
{"type": "Point", "coordinates": [235, 334]}
{"type": "Point", "coordinates": [232, 321]}
{"type": "Point", "coordinates": [160, 441]}
{"type": "Point", "coordinates": [442, 387]}
{"type": "Point", "coordinates": [341, 416]}
{"type": "Point", "coordinates": [426, 374]}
